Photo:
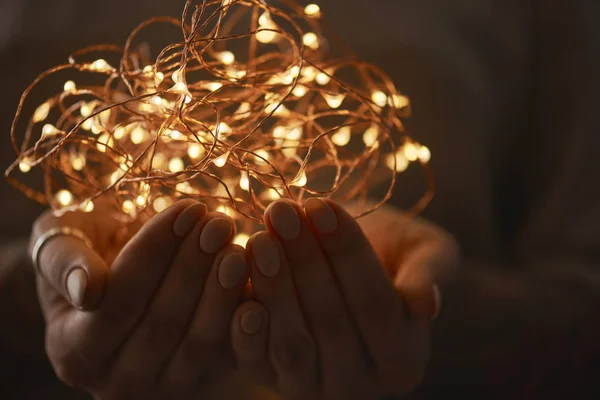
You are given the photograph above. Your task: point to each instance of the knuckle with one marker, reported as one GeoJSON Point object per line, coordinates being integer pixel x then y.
{"type": "Point", "coordinates": [374, 306]}
{"type": "Point", "coordinates": [200, 347]}
{"type": "Point", "coordinates": [159, 331]}
{"type": "Point", "coordinates": [294, 354]}
{"type": "Point", "coordinates": [331, 318]}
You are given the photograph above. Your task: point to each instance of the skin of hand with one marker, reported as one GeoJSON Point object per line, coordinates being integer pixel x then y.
{"type": "Point", "coordinates": [341, 310]}
{"type": "Point", "coordinates": [156, 323]}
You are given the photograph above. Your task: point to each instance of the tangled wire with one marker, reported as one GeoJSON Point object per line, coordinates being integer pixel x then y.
{"type": "Point", "coordinates": [252, 106]}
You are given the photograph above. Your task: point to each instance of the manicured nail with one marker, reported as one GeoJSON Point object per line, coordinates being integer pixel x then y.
{"type": "Point", "coordinates": [215, 235]}
{"type": "Point", "coordinates": [437, 301]}
{"type": "Point", "coordinates": [266, 254]}
{"type": "Point", "coordinates": [76, 285]}
{"type": "Point", "coordinates": [321, 215]}
{"type": "Point", "coordinates": [251, 322]}
{"type": "Point", "coordinates": [285, 220]}
{"type": "Point", "coordinates": [233, 271]}
{"type": "Point", "coordinates": [188, 218]}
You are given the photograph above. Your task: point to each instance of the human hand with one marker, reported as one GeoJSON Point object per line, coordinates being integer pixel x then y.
{"type": "Point", "coordinates": [157, 321]}
{"type": "Point", "coordinates": [328, 322]}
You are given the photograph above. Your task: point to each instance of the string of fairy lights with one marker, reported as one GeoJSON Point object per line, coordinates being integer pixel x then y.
{"type": "Point", "coordinates": [251, 106]}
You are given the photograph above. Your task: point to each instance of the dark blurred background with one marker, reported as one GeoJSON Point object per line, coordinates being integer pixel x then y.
{"type": "Point", "coordinates": [504, 93]}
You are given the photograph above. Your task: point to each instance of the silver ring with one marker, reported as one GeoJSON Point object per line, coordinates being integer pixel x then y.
{"type": "Point", "coordinates": [52, 233]}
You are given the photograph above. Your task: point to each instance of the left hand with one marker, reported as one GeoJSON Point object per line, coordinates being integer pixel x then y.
{"type": "Point", "coordinates": [338, 327]}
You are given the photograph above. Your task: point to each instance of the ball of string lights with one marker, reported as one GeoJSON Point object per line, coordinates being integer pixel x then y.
{"type": "Point", "coordinates": [252, 105]}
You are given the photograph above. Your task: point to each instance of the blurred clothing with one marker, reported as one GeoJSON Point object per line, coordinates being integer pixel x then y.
{"type": "Point", "coordinates": [504, 93]}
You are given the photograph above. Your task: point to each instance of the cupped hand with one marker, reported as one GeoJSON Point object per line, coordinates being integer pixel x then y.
{"type": "Point", "coordinates": [153, 323]}
{"type": "Point", "coordinates": [328, 322]}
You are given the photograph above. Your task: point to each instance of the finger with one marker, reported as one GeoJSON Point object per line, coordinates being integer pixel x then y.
{"type": "Point", "coordinates": [416, 283]}
{"type": "Point", "coordinates": [326, 312]}
{"type": "Point", "coordinates": [374, 302]}
{"type": "Point", "coordinates": [249, 329]}
{"type": "Point", "coordinates": [292, 350]}
{"type": "Point", "coordinates": [67, 264]}
{"type": "Point", "coordinates": [171, 308]}
{"type": "Point", "coordinates": [135, 276]}
{"type": "Point", "coordinates": [204, 351]}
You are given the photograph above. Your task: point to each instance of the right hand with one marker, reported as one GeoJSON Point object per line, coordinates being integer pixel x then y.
{"type": "Point", "coordinates": [155, 324]}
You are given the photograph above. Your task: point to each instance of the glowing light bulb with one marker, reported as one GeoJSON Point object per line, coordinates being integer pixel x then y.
{"type": "Point", "coordinates": [160, 204]}
{"type": "Point", "coordinates": [64, 197]}
{"type": "Point", "coordinates": [334, 100]}
{"type": "Point", "coordinates": [156, 100]}
{"type": "Point", "coordinates": [301, 180]}
{"type": "Point", "coordinates": [87, 124]}
{"type": "Point", "coordinates": [294, 134]}
{"type": "Point", "coordinates": [214, 86]}
{"type": "Point", "coordinates": [245, 181]}
{"type": "Point", "coordinates": [221, 160]}
{"type": "Point", "coordinates": [265, 20]}
{"type": "Point", "coordinates": [87, 109]}
{"type": "Point", "coordinates": [176, 164]}
{"type": "Point", "coordinates": [70, 87]}
{"type": "Point", "coordinates": [312, 10]}
{"type": "Point", "coordinates": [371, 135]}
{"type": "Point", "coordinates": [159, 161]}
{"type": "Point", "coordinates": [195, 151]}
{"type": "Point", "coordinates": [177, 75]}
{"type": "Point", "coordinates": [184, 187]}
{"type": "Point", "coordinates": [300, 91]}
{"type": "Point", "coordinates": [263, 157]}
{"type": "Point", "coordinates": [322, 78]}
{"type": "Point", "coordinates": [158, 78]}
{"type": "Point", "coordinates": [263, 35]}
{"type": "Point", "coordinates": [379, 98]}
{"type": "Point", "coordinates": [101, 66]}
{"type": "Point", "coordinates": [138, 135]}
{"type": "Point", "coordinates": [424, 154]}
{"type": "Point", "coordinates": [119, 133]}
{"type": "Point", "coordinates": [342, 136]}
{"type": "Point", "coordinates": [400, 161]}
{"type": "Point", "coordinates": [87, 206]}
{"type": "Point", "coordinates": [49, 130]}
{"type": "Point", "coordinates": [241, 239]}
{"type": "Point", "coordinates": [180, 88]}
{"type": "Point", "coordinates": [244, 108]}
{"type": "Point", "coordinates": [224, 129]}
{"type": "Point", "coordinates": [400, 101]}
{"type": "Point", "coordinates": [411, 152]}
{"type": "Point", "coordinates": [141, 200]}
{"type": "Point", "coordinates": [176, 135]}
{"type": "Point", "coordinates": [309, 72]}
{"type": "Point", "coordinates": [97, 129]}
{"type": "Point", "coordinates": [225, 210]}
{"type": "Point", "coordinates": [128, 206]}
{"type": "Point", "coordinates": [311, 40]}
{"type": "Point", "coordinates": [41, 113]}
{"type": "Point", "coordinates": [226, 57]}
{"type": "Point", "coordinates": [271, 194]}
{"type": "Point", "coordinates": [24, 166]}
{"type": "Point", "coordinates": [104, 141]}
{"type": "Point", "coordinates": [78, 163]}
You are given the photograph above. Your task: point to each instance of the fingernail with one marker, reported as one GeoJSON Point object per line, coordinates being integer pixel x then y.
{"type": "Point", "coordinates": [251, 322]}
{"type": "Point", "coordinates": [266, 255]}
{"type": "Point", "coordinates": [233, 271]}
{"type": "Point", "coordinates": [76, 286]}
{"type": "Point", "coordinates": [215, 235]}
{"type": "Point", "coordinates": [188, 218]}
{"type": "Point", "coordinates": [321, 215]}
{"type": "Point", "coordinates": [285, 220]}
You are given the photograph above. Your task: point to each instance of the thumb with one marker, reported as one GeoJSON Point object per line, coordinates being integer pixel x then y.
{"type": "Point", "coordinates": [67, 263]}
